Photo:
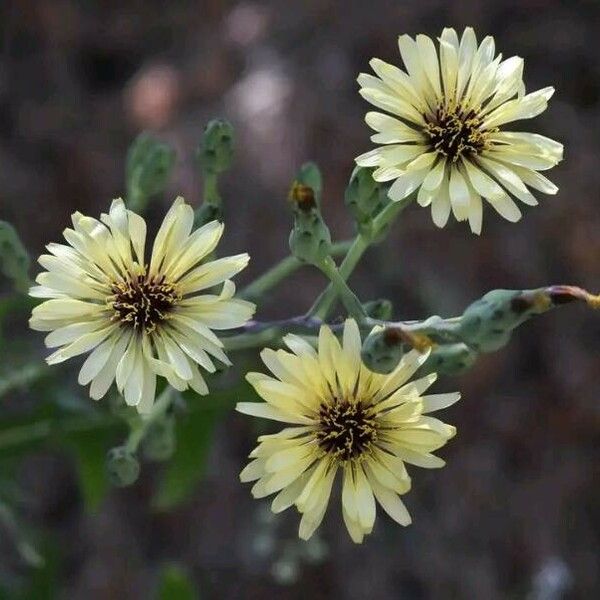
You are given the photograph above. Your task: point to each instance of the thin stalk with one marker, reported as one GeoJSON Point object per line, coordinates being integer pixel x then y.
{"type": "Point", "coordinates": [346, 295]}
{"type": "Point", "coordinates": [22, 377]}
{"type": "Point", "coordinates": [284, 268]}
{"type": "Point", "coordinates": [210, 189]}
{"type": "Point", "coordinates": [32, 432]}
{"type": "Point", "coordinates": [325, 301]}
{"type": "Point", "coordinates": [140, 429]}
{"type": "Point", "coordinates": [245, 341]}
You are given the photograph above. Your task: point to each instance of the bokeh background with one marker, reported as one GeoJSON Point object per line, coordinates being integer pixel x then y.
{"type": "Point", "coordinates": [515, 512]}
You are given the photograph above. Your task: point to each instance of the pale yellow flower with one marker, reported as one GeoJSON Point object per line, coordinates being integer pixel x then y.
{"type": "Point", "coordinates": [343, 418]}
{"type": "Point", "coordinates": [445, 139]}
{"type": "Point", "coordinates": [139, 320]}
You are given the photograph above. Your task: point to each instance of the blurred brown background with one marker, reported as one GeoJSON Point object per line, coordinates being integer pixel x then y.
{"type": "Point", "coordinates": [515, 512]}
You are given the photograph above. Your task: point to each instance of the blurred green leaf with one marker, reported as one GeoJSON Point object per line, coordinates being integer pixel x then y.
{"type": "Point", "coordinates": [43, 582]}
{"type": "Point", "coordinates": [18, 307]}
{"type": "Point", "coordinates": [176, 584]}
{"type": "Point", "coordinates": [22, 433]}
{"type": "Point", "coordinates": [194, 433]}
{"type": "Point", "coordinates": [89, 450]}
{"type": "Point", "coordinates": [20, 535]}
{"type": "Point", "coordinates": [14, 258]}
{"type": "Point", "coordinates": [19, 378]}
{"type": "Point", "coordinates": [85, 436]}
{"type": "Point", "coordinates": [50, 425]}
{"type": "Point", "coordinates": [186, 467]}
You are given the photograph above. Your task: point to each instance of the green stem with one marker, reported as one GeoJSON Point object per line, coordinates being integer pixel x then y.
{"type": "Point", "coordinates": [347, 296]}
{"type": "Point", "coordinates": [22, 377]}
{"type": "Point", "coordinates": [139, 430]}
{"type": "Point", "coordinates": [33, 432]}
{"type": "Point", "coordinates": [325, 301]}
{"type": "Point", "coordinates": [245, 341]}
{"type": "Point", "coordinates": [136, 201]}
{"type": "Point", "coordinates": [284, 268]}
{"type": "Point", "coordinates": [258, 334]}
{"type": "Point", "coordinates": [210, 189]}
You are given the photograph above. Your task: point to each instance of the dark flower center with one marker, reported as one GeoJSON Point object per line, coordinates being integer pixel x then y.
{"type": "Point", "coordinates": [142, 302]}
{"type": "Point", "coordinates": [455, 133]}
{"type": "Point", "coordinates": [346, 429]}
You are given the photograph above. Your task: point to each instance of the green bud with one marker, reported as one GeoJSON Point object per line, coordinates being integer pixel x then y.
{"type": "Point", "coordinates": [380, 309]}
{"type": "Point", "coordinates": [14, 258]}
{"type": "Point", "coordinates": [449, 359]}
{"type": "Point", "coordinates": [309, 175]}
{"type": "Point", "coordinates": [149, 165]}
{"type": "Point", "coordinates": [206, 213]}
{"type": "Point", "coordinates": [122, 466]}
{"type": "Point", "coordinates": [215, 151]}
{"type": "Point", "coordinates": [383, 349]}
{"type": "Point", "coordinates": [160, 440]}
{"type": "Point", "coordinates": [310, 240]}
{"type": "Point", "coordinates": [365, 198]}
{"type": "Point", "coordinates": [486, 325]}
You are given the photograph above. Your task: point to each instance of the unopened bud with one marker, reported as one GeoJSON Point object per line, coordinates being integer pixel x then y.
{"type": "Point", "coordinates": [449, 359]}
{"type": "Point", "coordinates": [364, 197]}
{"type": "Point", "coordinates": [206, 213]}
{"type": "Point", "coordinates": [380, 309]}
{"type": "Point", "coordinates": [383, 349]}
{"type": "Point", "coordinates": [149, 164]}
{"type": "Point", "coordinates": [215, 152]}
{"type": "Point", "coordinates": [486, 325]}
{"type": "Point", "coordinates": [122, 466]}
{"type": "Point", "coordinates": [309, 175]}
{"type": "Point", "coordinates": [310, 240]}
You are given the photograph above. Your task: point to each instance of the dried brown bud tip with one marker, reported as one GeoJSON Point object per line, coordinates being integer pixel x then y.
{"type": "Point", "coordinates": [303, 196]}
{"type": "Point", "coordinates": [563, 294]}
{"type": "Point", "coordinates": [393, 336]}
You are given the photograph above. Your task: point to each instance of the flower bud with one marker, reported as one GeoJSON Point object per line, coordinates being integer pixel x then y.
{"type": "Point", "coordinates": [206, 213]}
{"type": "Point", "coordinates": [365, 197]}
{"type": "Point", "coordinates": [383, 349]}
{"type": "Point", "coordinates": [122, 466]}
{"type": "Point", "coordinates": [449, 359]}
{"type": "Point", "coordinates": [309, 175]}
{"type": "Point", "coordinates": [310, 240]}
{"type": "Point", "coordinates": [380, 309]}
{"type": "Point", "coordinates": [149, 164]}
{"type": "Point", "coordinates": [160, 440]}
{"type": "Point", "coordinates": [215, 151]}
{"type": "Point", "coordinates": [486, 325]}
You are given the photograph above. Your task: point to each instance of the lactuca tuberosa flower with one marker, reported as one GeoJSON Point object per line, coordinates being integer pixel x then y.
{"type": "Point", "coordinates": [138, 319]}
{"type": "Point", "coordinates": [445, 136]}
{"type": "Point", "coordinates": [344, 418]}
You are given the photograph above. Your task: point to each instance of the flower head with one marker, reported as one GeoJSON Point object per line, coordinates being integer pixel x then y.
{"type": "Point", "coordinates": [344, 418]}
{"type": "Point", "coordinates": [445, 137]}
{"type": "Point", "coordinates": [138, 319]}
